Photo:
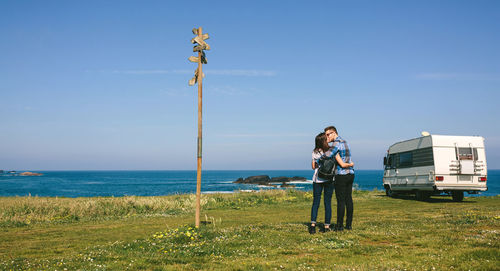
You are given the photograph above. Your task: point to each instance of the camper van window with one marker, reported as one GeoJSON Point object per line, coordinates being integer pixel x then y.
{"type": "Point", "coordinates": [405, 159]}
{"type": "Point", "coordinates": [465, 153]}
{"type": "Point", "coordinates": [423, 157]}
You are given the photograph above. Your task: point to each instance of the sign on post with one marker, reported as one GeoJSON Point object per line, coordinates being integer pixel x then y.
{"type": "Point", "coordinates": [200, 47]}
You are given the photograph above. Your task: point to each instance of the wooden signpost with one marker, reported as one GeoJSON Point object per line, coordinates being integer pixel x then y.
{"type": "Point", "coordinates": [200, 47]}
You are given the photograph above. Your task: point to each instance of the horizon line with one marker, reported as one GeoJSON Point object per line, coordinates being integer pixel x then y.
{"type": "Point", "coordinates": [178, 169]}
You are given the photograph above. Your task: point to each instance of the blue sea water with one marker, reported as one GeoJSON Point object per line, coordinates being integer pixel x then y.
{"type": "Point", "coordinates": [155, 183]}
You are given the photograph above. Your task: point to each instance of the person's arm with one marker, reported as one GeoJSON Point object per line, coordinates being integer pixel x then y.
{"type": "Point", "coordinates": [332, 151]}
{"type": "Point", "coordinates": [342, 163]}
{"type": "Point", "coordinates": [315, 156]}
{"type": "Point", "coordinates": [314, 164]}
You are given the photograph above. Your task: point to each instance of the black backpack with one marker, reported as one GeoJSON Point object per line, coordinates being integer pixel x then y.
{"type": "Point", "coordinates": [326, 170]}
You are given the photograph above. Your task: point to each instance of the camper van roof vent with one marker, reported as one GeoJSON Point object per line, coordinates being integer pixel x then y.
{"type": "Point", "coordinates": [425, 133]}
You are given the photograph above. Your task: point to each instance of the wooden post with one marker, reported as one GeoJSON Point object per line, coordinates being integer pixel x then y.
{"type": "Point", "coordinates": [198, 171]}
{"type": "Point", "coordinates": [200, 47]}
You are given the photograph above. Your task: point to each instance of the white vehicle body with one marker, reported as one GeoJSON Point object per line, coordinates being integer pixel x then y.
{"type": "Point", "coordinates": [435, 164]}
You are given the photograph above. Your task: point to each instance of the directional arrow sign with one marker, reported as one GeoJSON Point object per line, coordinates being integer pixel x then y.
{"type": "Point", "coordinates": [201, 41]}
{"type": "Point", "coordinates": [194, 59]}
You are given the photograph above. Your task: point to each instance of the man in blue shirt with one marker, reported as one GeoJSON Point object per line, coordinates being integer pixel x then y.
{"type": "Point", "coordinates": [344, 178]}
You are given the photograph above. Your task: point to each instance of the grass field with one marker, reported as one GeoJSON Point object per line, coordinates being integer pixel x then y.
{"type": "Point", "coordinates": [247, 231]}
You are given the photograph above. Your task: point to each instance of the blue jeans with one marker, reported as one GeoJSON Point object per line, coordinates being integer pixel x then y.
{"type": "Point", "coordinates": [327, 200]}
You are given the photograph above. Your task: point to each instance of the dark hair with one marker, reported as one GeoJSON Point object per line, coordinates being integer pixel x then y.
{"type": "Point", "coordinates": [320, 142]}
{"type": "Point", "coordinates": [331, 128]}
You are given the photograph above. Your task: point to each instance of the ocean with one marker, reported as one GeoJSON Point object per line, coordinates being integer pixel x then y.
{"type": "Point", "coordinates": [167, 182]}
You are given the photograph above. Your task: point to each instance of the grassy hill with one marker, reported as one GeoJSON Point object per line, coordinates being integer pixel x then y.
{"type": "Point", "coordinates": [247, 231]}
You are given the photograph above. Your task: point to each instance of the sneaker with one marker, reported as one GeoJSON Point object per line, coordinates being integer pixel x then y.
{"type": "Point", "coordinates": [312, 229]}
{"type": "Point", "coordinates": [327, 229]}
{"type": "Point", "coordinates": [339, 228]}
{"type": "Point", "coordinates": [348, 227]}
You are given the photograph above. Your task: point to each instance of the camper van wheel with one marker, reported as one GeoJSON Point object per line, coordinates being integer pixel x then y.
{"type": "Point", "coordinates": [457, 195]}
{"type": "Point", "coordinates": [422, 195]}
{"type": "Point", "coordinates": [389, 192]}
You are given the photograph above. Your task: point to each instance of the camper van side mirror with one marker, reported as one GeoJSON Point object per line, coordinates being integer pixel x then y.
{"type": "Point", "coordinates": [385, 161]}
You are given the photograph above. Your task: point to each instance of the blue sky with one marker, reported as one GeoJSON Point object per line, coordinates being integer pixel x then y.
{"type": "Point", "coordinates": [103, 84]}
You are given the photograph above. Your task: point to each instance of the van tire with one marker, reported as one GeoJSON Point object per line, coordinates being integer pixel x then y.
{"type": "Point", "coordinates": [389, 192]}
{"type": "Point", "coordinates": [457, 195]}
{"type": "Point", "coordinates": [422, 195]}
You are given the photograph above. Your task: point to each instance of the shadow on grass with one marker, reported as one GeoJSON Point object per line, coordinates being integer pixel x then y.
{"type": "Point", "coordinates": [433, 199]}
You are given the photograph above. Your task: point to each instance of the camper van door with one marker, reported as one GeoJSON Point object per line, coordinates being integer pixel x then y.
{"type": "Point", "coordinates": [390, 167]}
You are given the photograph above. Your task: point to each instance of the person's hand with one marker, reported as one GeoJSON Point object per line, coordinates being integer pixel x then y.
{"type": "Point", "coordinates": [351, 164]}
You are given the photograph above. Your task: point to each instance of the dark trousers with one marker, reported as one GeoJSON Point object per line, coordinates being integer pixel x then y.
{"type": "Point", "coordinates": [343, 192]}
{"type": "Point", "coordinates": [317, 189]}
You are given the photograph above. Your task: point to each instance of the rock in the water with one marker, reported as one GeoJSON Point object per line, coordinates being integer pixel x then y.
{"type": "Point", "coordinates": [280, 179]}
{"type": "Point", "coordinates": [265, 180]}
{"type": "Point", "coordinates": [27, 173]}
{"type": "Point", "coordinates": [298, 178]}
{"type": "Point", "coordinates": [283, 179]}
{"type": "Point", "coordinates": [240, 180]}
{"type": "Point", "coordinates": [261, 179]}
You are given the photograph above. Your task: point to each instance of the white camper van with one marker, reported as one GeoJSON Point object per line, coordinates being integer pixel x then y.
{"type": "Point", "coordinates": [436, 164]}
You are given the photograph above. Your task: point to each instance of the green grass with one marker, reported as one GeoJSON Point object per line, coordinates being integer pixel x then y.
{"type": "Point", "coordinates": [246, 231]}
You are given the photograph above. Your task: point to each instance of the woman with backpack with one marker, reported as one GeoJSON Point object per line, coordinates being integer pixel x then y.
{"type": "Point", "coordinates": [320, 184]}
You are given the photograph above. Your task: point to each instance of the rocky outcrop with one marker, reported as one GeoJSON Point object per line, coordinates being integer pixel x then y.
{"type": "Point", "coordinates": [260, 179]}
{"type": "Point", "coordinates": [27, 173]}
{"type": "Point", "coordinates": [280, 179]}
{"type": "Point", "coordinates": [265, 180]}
{"type": "Point", "coordinates": [287, 179]}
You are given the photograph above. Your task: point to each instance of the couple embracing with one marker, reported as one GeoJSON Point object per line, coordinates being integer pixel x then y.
{"type": "Point", "coordinates": [341, 182]}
